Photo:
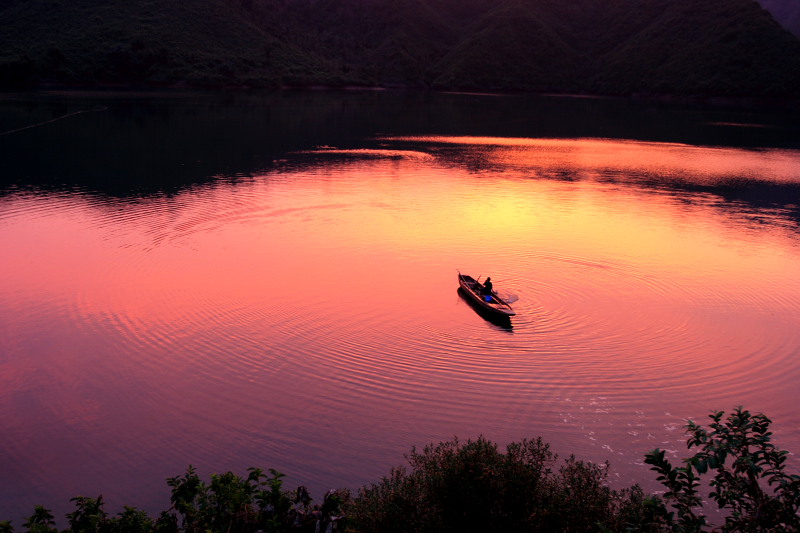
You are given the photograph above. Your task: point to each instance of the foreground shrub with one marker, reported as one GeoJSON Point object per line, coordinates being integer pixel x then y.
{"type": "Point", "coordinates": [455, 487]}
{"type": "Point", "coordinates": [258, 503]}
{"type": "Point", "coordinates": [228, 504]}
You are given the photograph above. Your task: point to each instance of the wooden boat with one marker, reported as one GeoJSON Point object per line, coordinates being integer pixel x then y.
{"type": "Point", "coordinates": [488, 302]}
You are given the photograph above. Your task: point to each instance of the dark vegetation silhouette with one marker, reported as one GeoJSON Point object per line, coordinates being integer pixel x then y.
{"type": "Point", "coordinates": [473, 487]}
{"type": "Point", "coordinates": [617, 47]}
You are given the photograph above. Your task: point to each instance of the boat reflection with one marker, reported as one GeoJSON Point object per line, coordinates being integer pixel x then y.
{"type": "Point", "coordinates": [501, 321]}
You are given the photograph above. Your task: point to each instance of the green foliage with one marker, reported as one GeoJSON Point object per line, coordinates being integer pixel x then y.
{"type": "Point", "coordinates": [749, 479]}
{"type": "Point", "coordinates": [41, 521]}
{"type": "Point", "coordinates": [474, 487]}
{"type": "Point", "coordinates": [229, 502]}
{"type": "Point", "coordinates": [88, 516]}
{"type": "Point", "coordinates": [131, 520]}
{"type": "Point", "coordinates": [682, 484]}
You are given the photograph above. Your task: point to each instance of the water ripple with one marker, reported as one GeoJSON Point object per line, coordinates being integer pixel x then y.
{"type": "Point", "coordinates": [317, 309]}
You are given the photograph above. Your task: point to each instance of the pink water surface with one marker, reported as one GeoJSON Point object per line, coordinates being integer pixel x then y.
{"type": "Point", "coordinates": [306, 319]}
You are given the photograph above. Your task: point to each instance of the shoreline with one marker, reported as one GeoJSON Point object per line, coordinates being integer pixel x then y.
{"type": "Point", "coordinates": [759, 102]}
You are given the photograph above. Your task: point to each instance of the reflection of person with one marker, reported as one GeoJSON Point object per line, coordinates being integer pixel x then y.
{"type": "Point", "coordinates": [487, 286]}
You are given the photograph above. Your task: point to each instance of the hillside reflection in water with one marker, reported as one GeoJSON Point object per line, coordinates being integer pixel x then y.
{"type": "Point", "coordinates": [305, 318]}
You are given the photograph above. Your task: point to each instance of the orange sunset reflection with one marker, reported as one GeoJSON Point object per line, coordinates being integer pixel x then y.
{"type": "Point", "coordinates": [699, 164]}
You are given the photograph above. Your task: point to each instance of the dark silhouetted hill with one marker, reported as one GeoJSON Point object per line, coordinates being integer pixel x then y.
{"type": "Point", "coordinates": [683, 47]}
{"type": "Point", "coordinates": [90, 42]}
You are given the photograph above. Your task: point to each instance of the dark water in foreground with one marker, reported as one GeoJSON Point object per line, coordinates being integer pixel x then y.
{"type": "Point", "coordinates": [270, 280]}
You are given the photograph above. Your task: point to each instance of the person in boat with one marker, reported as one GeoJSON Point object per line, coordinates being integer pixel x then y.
{"type": "Point", "coordinates": [487, 287]}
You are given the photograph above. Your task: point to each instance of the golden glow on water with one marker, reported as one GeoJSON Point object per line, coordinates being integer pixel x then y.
{"type": "Point", "coordinates": [698, 164]}
{"type": "Point", "coordinates": [307, 319]}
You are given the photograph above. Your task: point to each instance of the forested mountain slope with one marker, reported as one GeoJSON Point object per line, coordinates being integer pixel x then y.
{"type": "Point", "coordinates": [688, 47]}
{"type": "Point", "coordinates": [140, 41]}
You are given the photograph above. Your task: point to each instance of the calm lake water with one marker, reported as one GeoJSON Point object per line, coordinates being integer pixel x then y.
{"type": "Point", "coordinates": [246, 279]}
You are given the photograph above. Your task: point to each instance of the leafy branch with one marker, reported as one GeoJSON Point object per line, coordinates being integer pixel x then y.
{"type": "Point", "coordinates": [749, 483]}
